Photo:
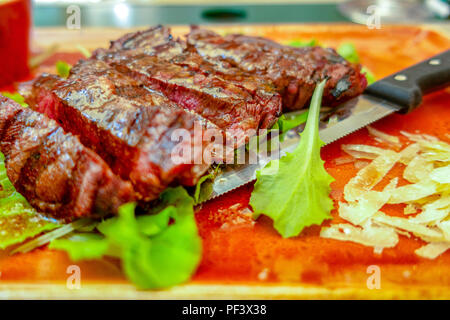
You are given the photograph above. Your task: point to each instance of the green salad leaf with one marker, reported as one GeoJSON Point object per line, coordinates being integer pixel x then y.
{"type": "Point", "coordinates": [294, 190]}
{"type": "Point", "coordinates": [204, 187]}
{"type": "Point", "coordinates": [16, 97]}
{"type": "Point", "coordinates": [82, 246]}
{"type": "Point", "coordinates": [85, 52]}
{"type": "Point", "coordinates": [290, 120]}
{"type": "Point", "coordinates": [303, 43]}
{"type": "Point", "coordinates": [157, 250]}
{"type": "Point", "coordinates": [18, 220]}
{"type": "Point", "coordinates": [348, 51]}
{"type": "Point", "coordinates": [63, 69]}
{"type": "Point", "coordinates": [369, 75]}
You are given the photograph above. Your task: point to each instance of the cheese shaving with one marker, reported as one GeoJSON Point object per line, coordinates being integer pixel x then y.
{"type": "Point", "coordinates": [441, 175]}
{"type": "Point", "coordinates": [408, 154]}
{"type": "Point", "coordinates": [419, 230]}
{"type": "Point", "coordinates": [384, 137]}
{"type": "Point", "coordinates": [361, 151]}
{"type": "Point", "coordinates": [410, 209]}
{"type": "Point", "coordinates": [412, 174]}
{"type": "Point", "coordinates": [433, 250]}
{"type": "Point", "coordinates": [365, 207]}
{"type": "Point", "coordinates": [412, 192]}
{"type": "Point", "coordinates": [370, 176]}
{"type": "Point", "coordinates": [371, 235]}
{"type": "Point", "coordinates": [445, 228]}
{"type": "Point", "coordinates": [426, 162]}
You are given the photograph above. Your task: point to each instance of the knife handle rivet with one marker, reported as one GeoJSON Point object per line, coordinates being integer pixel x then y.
{"type": "Point", "coordinates": [435, 62]}
{"type": "Point", "coordinates": [400, 77]}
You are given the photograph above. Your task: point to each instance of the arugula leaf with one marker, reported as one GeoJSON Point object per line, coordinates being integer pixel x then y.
{"type": "Point", "coordinates": [303, 43]}
{"type": "Point", "coordinates": [348, 51]}
{"type": "Point", "coordinates": [294, 190]}
{"type": "Point", "coordinates": [16, 97]}
{"type": "Point", "coordinates": [18, 219]}
{"type": "Point", "coordinates": [290, 120]}
{"type": "Point", "coordinates": [198, 188]}
{"type": "Point", "coordinates": [85, 52]}
{"type": "Point", "coordinates": [154, 252]}
{"type": "Point", "coordinates": [82, 246]}
{"type": "Point", "coordinates": [203, 188]}
{"type": "Point", "coordinates": [63, 69]}
{"type": "Point", "coordinates": [151, 225]}
{"type": "Point", "coordinates": [369, 75]}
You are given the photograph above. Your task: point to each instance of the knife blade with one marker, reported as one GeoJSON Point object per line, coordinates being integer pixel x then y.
{"type": "Point", "coordinates": [400, 92]}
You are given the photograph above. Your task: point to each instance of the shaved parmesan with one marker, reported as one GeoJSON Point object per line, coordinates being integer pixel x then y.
{"type": "Point", "coordinates": [370, 176]}
{"type": "Point", "coordinates": [441, 203]}
{"type": "Point", "coordinates": [433, 250]}
{"type": "Point", "coordinates": [445, 228]}
{"type": "Point", "coordinates": [418, 137]}
{"type": "Point", "coordinates": [409, 153]}
{"type": "Point", "coordinates": [365, 207]}
{"type": "Point", "coordinates": [412, 174]}
{"type": "Point", "coordinates": [418, 230]}
{"type": "Point", "coordinates": [384, 137]}
{"type": "Point", "coordinates": [411, 192]}
{"type": "Point", "coordinates": [360, 164]}
{"type": "Point", "coordinates": [430, 216]}
{"type": "Point", "coordinates": [371, 235]}
{"type": "Point", "coordinates": [361, 151]}
{"type": "Point", "coordinates": [343, 160]}
{"type": "Point", "coordinates": [410, 209]}
{"type": "Point", "coordinates": [427, 169]}
{"type": "Point", "coordinates": [441, 175]}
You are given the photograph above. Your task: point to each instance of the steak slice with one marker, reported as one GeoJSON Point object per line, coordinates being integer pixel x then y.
{"type": "Point", "coordinates": [293, 71]}
{"type": "Point", "coordinates": [53, 170]}
{"type": "Point", "coordinates": [235, 101]}
{"type": "Point", "coordinates": [145, 39]}
{"type": "Point", "coordinates": [134, 129]}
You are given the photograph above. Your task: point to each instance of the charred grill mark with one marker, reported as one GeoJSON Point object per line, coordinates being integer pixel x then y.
{"type": "Point", "coordinates": [225, 99]}
{"type": "Point", "coordinates": [293, 71]}
{"type": "Point", "coordinates": [125, 128]}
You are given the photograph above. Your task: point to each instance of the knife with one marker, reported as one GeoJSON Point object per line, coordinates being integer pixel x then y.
{"type": "Point", "coordinates": [400, 92]}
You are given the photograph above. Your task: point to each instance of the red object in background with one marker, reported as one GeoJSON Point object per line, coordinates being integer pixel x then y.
{"type": "Point", "coordinates": [15, 24]}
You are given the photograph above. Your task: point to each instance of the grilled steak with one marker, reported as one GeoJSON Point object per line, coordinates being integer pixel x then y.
{"type": "Point", "coordinates": [234, 101]}
{"type": "Point", "coordinates": [293, 71]}
{"type": "Point", "coordinates": [126, 103]}
{"type": "Point", "coordinates": [53, 170]}
{"type": "Point", "coordinates": [129, 126]}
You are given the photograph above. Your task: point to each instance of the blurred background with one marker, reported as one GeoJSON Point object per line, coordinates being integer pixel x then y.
{"type": "Point", "coordinates": [37, 28]}
{"type": "Point", "coordinates": [132, 13]}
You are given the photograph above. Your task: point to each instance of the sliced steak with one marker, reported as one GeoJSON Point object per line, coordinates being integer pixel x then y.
{"type": "Point", "coordinates": [53, 170]}
{"type": "Point", "coordinates": [293, 71]}
{"type": "Point", "coordinates": [234, 101]}
{"type": "Point", "coordinates": [134, 129]}
{"type": "Point", "coordinates": [145, 39]}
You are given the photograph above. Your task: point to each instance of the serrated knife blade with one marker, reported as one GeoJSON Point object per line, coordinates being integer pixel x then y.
{"type": "Point", "coordinates": [401, 91]}
{"type": "Point", "coordinates": [345, 119]}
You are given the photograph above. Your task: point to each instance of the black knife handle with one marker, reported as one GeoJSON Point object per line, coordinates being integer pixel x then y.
{"type": "Point", "coordinates": [405, 88]}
